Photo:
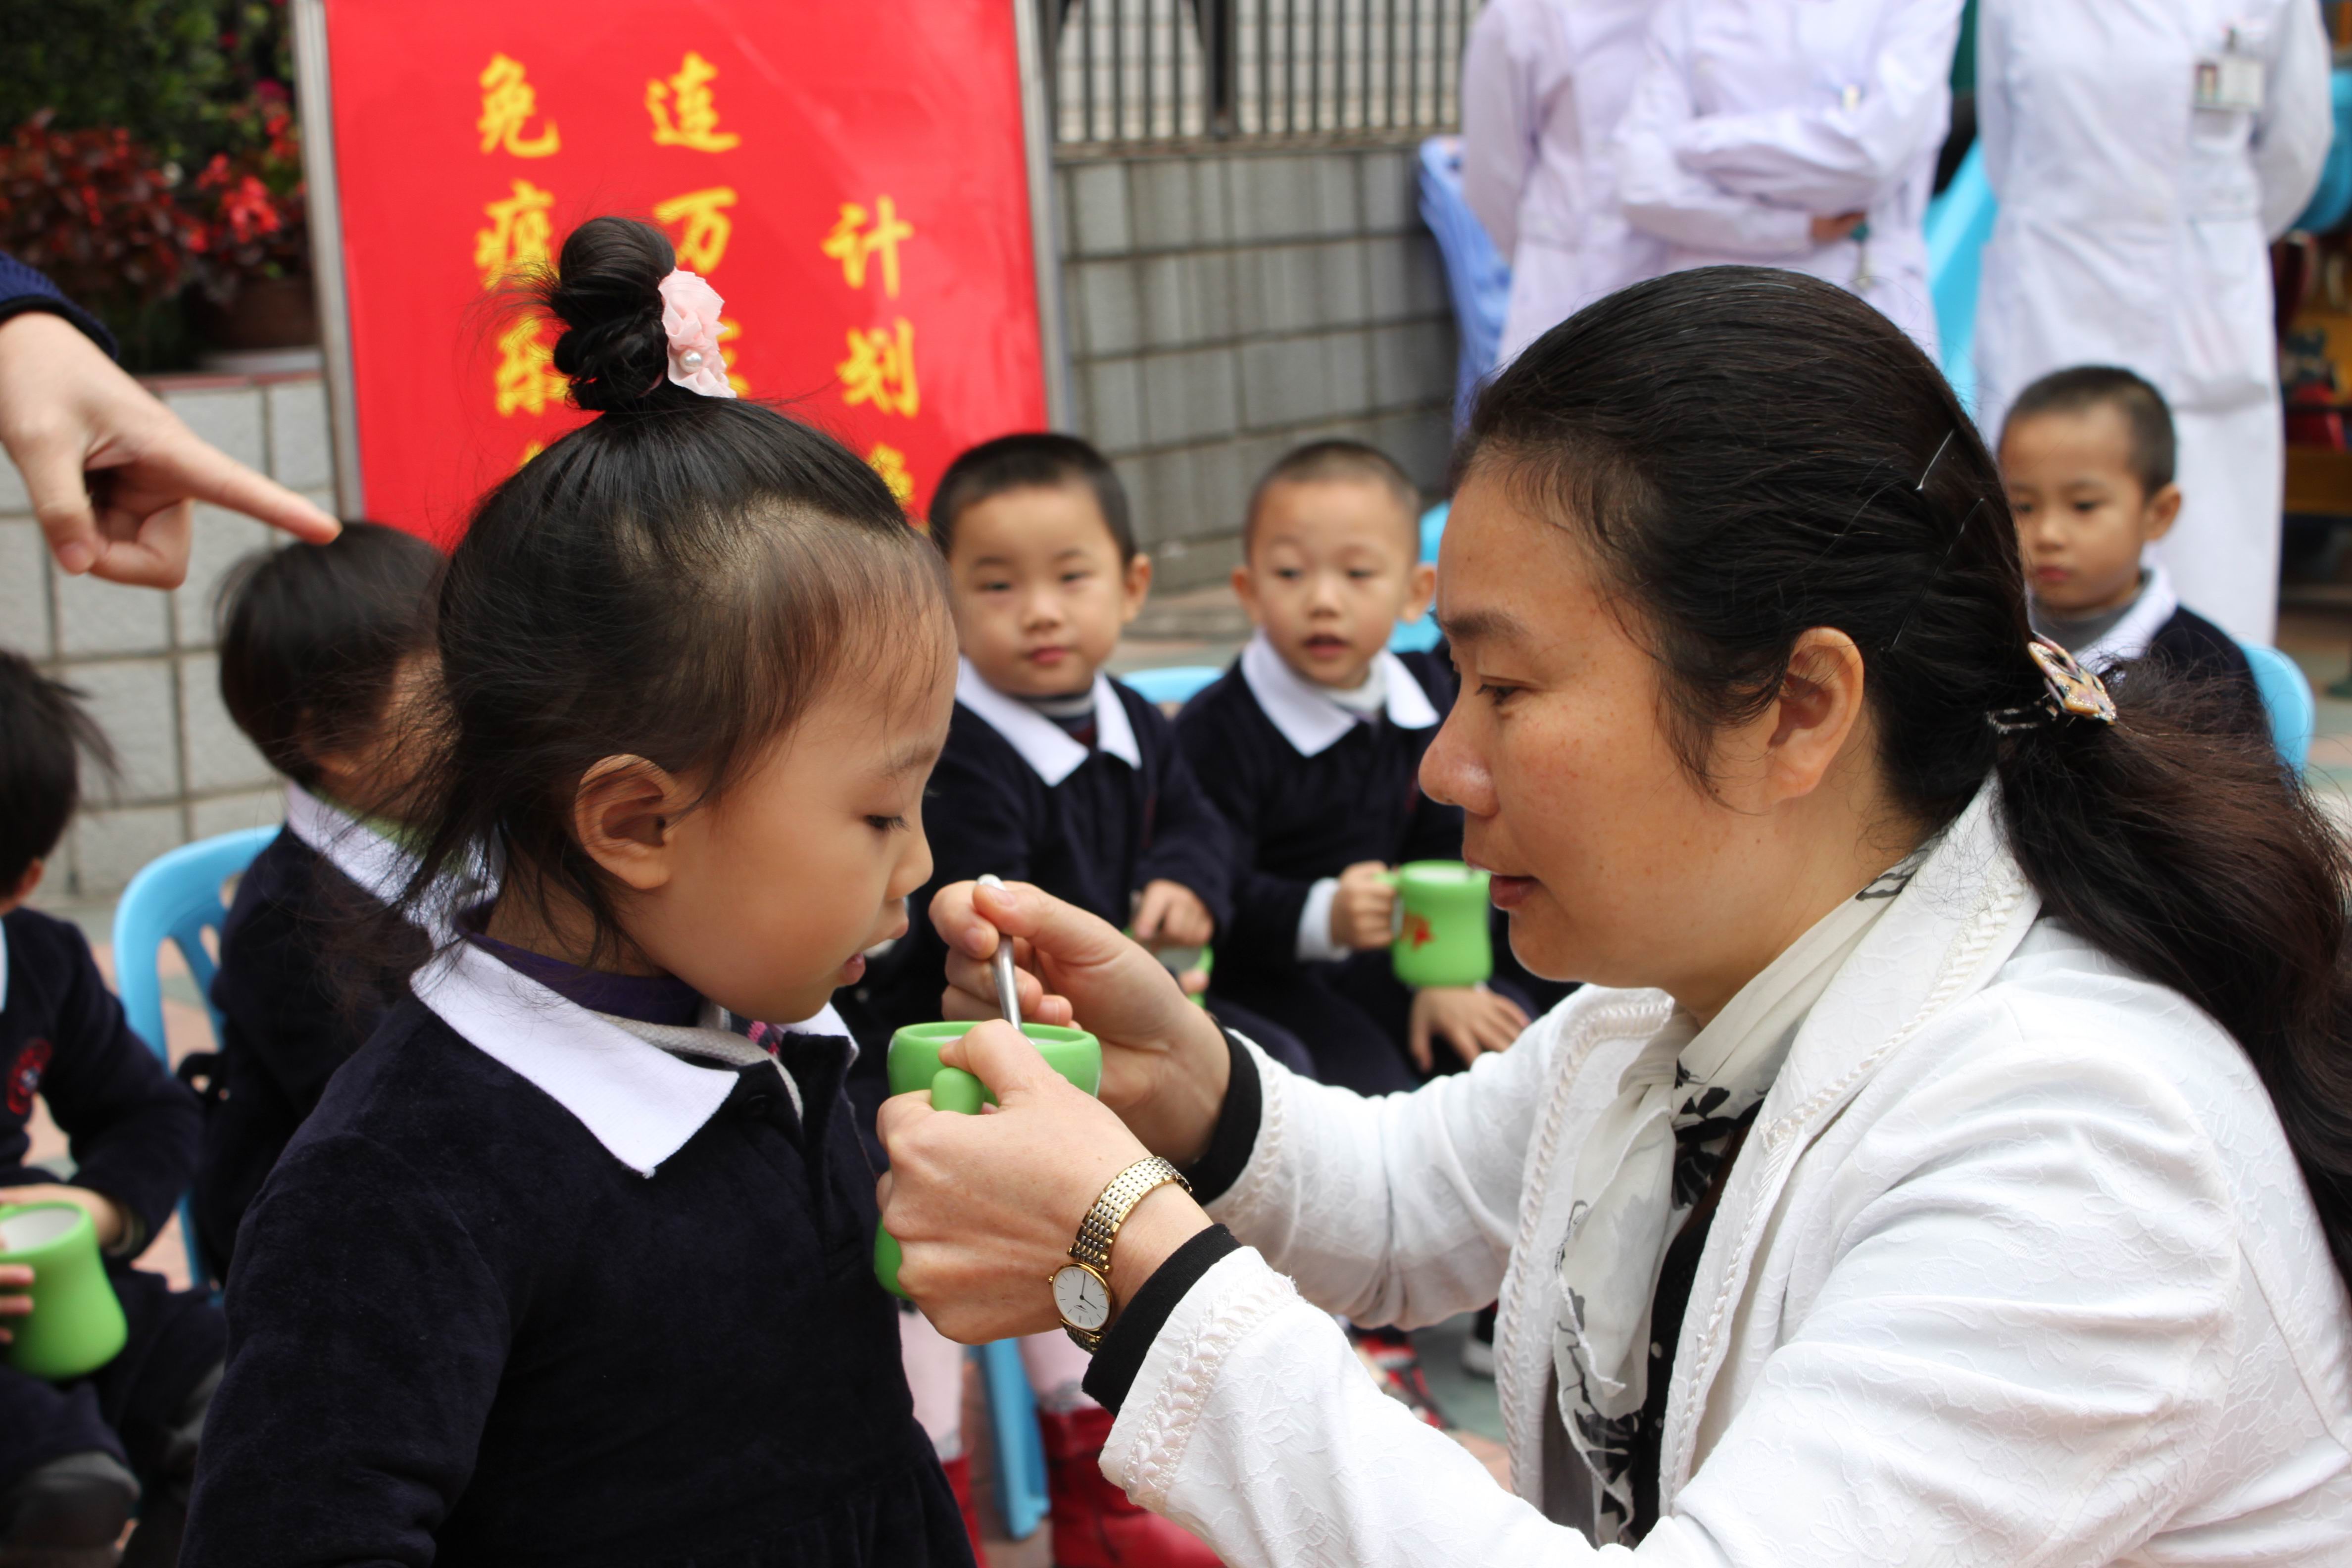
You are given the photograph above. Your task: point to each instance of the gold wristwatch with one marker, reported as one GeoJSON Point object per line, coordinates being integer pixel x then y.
{"type": "Point", "coordinates": [1082, 1285]}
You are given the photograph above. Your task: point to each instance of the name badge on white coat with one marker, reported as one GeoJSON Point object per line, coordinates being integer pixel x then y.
{"type": "Point", "coordinates": [2232, 80]}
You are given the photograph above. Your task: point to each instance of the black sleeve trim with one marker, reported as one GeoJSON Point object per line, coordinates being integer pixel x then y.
{"type": "Point", "coordinates": [1130, 1339]}
{"type": "Point", "coordinates": [59, 305]}
{"type": "Point", "coordinates": [1230, 1143]}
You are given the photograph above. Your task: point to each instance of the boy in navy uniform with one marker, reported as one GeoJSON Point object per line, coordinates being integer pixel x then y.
{"type": "Point", "coordinates": [76, 1458]}
{"type": "Point", "coordinates": [1055, 774]}
{"type": "Point", "coordinates": [2087, 455]}
{"type": "Point", "coordinates": [320, 650]}
{"type": "Point", "coordinates": [1311, 747]}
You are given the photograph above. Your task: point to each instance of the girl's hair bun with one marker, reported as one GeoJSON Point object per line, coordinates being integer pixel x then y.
{"type": "Point", "coordinates": [607, 290]}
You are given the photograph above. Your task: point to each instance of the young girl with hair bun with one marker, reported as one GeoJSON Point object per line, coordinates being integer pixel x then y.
{"type": "Point", "coordinates": [572, 1263]}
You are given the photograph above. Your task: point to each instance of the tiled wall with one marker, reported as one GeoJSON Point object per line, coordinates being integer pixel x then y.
{"type": "Point", "coordinates": [1225, 306]}
{"type": "Point", "coordinates": [144, 659]}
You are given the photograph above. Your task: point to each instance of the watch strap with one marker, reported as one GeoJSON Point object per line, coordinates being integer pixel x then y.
{"type": "Point", "coordinates": [1100, 1229]}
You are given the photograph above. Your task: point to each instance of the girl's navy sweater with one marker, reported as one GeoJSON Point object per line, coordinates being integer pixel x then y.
{"type": "Point", "coordinates": [463, 1332]}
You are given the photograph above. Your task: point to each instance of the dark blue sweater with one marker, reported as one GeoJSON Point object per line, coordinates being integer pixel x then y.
{"type": "Point", "coordinates": [22, 289]}
{"type": "Point", "coordinates": [1299, 819]}
{"type": "Point", "coordinates": [1094, 840]}
{"type": "Point", "coordinates": [132, 1127]}
{"type": "Point", "coordinates": [463, 1332]}
{"type": "Point", "coordinates": [292, 1013]}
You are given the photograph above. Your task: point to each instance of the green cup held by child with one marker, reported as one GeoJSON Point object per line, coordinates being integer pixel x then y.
{"type": "Point", "coordinates": [914, 1064]}
{"type": "Point", "coordinates": [1441, 924]}
{"type": "Point", "coordinates": [76, 1325]}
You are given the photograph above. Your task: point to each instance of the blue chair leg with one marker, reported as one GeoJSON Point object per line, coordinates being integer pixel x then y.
{"type": "Point", "coordinates": [1019, 1450]}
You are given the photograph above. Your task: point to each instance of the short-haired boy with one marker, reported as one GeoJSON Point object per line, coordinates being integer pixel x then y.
{"type": "Point", "coordinates": [1311, 746]}
{"type": "Point", "coordinates": [75, 1458]}
{"type": "Point", "coordinates": [323, 650]}
{"type": "Point", "coordinates": [1055, 774]}
{"type": "Point", "coordinates": [2087, 457]}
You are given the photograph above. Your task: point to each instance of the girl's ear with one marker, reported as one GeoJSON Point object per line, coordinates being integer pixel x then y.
{"type": "Point", "coordinates": [622, 814]}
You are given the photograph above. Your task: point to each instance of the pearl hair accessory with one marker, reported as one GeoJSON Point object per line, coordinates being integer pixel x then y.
{"type": "Point", "coordinates": [690, 308]}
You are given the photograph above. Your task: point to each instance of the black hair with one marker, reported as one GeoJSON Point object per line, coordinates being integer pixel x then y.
{"type": "Point", "coordinates": [2147, 415]}
{"type": "Point", "coordinates": [1749, 453]}
{"type": "Point", "coordinates": [313, 635]}
{"type": "Point", "coordinates": [45, 733]}
{"type": "Point", "coordinates": [678, 580]}
{"type": "Point", "coordinates": [1338, 462]}
{"type": "Point", "coordinates": [1034, 459]}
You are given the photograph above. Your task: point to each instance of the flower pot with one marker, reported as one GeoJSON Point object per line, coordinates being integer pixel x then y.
{"type": "Point", "coordinates": [268, 313]}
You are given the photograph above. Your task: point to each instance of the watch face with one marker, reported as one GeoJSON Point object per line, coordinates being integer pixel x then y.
{"type": "Point", "coordinates": [1084, 1301]}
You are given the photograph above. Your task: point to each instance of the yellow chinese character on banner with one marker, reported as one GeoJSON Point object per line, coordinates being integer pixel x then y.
{"type": "Point", "coordinates": [526, 378]}
{"type": "Point", "coordinates": [853, 249]}
{"type": "Point", "coordinates": [531, 449]}
{"type": "Point", "coordinates": [704, 227]}
{"type": "Point", "coordinates": [730, 329]}
{"type": "Point", "coordinates": [518, 236]}
{"type": "Point", "coordinates": [880, 369]}
{"type": "Point", "coordinates": [891, 464]}
{"type": "Point", "coordinates": [696, 122]}
{"type": "Point", "coordinates": [507, 102]}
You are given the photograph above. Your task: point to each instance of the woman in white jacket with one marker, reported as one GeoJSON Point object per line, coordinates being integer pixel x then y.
{"type": "Point", "coordinates": [1949, 1162]}
{"type": "Point", "coordinates": [1797, 133]}
{"type": "Point", "coordinates": [2145, 156]}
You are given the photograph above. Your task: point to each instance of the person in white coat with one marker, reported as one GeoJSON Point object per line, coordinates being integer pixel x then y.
{"type": "Point", "coordinates": [1543, 85]}
{"type": "Point", "coordinates": [1797, 133]}
{"type": "Point", "coordinates": [2144, 156]}
{"type": "Point", "coordinates": [1945, 1163]}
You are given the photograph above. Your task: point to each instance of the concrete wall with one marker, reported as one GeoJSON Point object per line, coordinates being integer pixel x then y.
{"type": "Point", "coordinates": [1224, 305]}
{"type": "Point", "coordinates": [144, 659]}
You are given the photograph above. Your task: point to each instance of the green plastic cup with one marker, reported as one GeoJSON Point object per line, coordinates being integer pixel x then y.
{"type": "Point", "coordinates": [76, 1326]}
{"type": "Point", "coordinates": [1441, 924]}
{"type": "Point", "coordinates": [914, 1064]}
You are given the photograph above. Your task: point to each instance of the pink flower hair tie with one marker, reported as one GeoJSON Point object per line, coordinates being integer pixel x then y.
{"type": "Point", "coordinates": [690, 308]}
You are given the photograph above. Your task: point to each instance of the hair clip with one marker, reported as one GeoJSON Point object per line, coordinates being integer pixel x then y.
{"type": "Point", "coordinates": [1938, 458]}
{"type": "Point", "coordinates": [690, 308]}
{"type": "Point", "coordinates": [2071, 693]}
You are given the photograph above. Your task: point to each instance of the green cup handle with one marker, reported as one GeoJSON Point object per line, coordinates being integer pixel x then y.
{"type": "Point", "coordinates": [955, 1089]}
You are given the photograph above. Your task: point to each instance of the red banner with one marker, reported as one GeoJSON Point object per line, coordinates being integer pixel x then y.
{"type": "Point", "coordinates": [850, 178]}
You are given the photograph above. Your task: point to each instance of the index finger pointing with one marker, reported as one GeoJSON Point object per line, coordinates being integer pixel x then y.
{"type": "Point", "coordinates": [210, 475]}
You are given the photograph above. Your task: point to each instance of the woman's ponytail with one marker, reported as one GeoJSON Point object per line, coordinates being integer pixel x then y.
{"type": "Point", "coordinates": [1750, 453]}
{"type": "Point", "coordinates": [2175, 843]}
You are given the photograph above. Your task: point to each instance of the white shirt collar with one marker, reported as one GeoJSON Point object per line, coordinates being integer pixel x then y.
{"type": "Point", "coordinates": [1044, 746]}
{"type": "Point", "coordinates": [639, 1101]}
{"type": "Point", "coordinates": [1306, 714]}
{"type": "Point", "coordinates": [2129, 637]}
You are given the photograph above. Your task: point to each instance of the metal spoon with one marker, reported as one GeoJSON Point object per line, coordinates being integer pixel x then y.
{"type": "Point", "coordinates": [1008, 993]}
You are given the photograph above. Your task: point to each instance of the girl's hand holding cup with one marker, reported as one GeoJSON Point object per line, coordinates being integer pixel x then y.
{"type": "Point", "coordinates": [1165, 1065]}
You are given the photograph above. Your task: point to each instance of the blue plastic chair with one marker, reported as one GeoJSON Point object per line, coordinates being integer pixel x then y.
{"type": "Point", "coordinates": [1477, 277]}
{"type": "Point", "coordinates": [1176, 683]}
{"type": "Point", "coordinates": [173, 899]}
{"type": "Point", "coordinates": [1959, 222]}
{"type": "Point", "coordinates": [2331, 200]}
{"type": "Point", "coordinates": [1420, 635]}
{"type": "Point", "coordinates": [1020, 1497]}
{"type": "Point", "coordinates": [2286, 694]}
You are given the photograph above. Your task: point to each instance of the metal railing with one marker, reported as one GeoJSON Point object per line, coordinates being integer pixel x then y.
{"type": "Point", "coordinates": [1128, 71]}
